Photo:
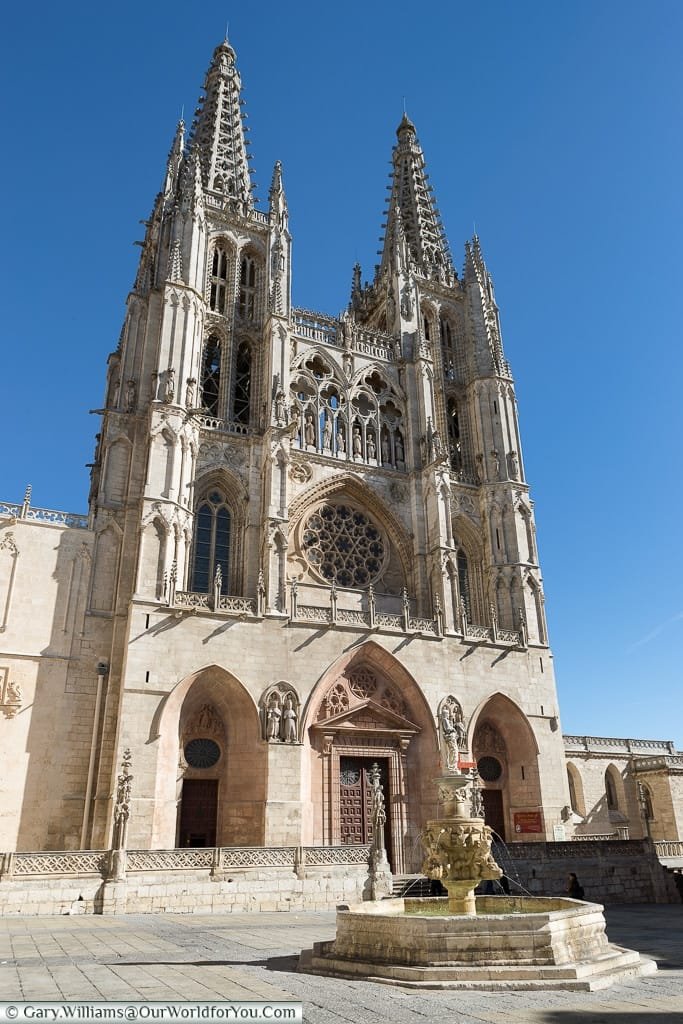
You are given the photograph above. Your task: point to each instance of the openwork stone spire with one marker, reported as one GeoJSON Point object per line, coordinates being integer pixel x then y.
{"type": "Point", "coordinates": [219, 132]}
{"type": "Point", "coordinates": [412, 211]}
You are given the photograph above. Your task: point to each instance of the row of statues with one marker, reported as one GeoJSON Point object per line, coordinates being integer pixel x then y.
{"type": "Point", "coordinates": [359, 447]}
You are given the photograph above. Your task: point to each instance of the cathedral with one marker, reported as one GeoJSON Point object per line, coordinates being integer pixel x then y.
{"type": "Point", "coordinates": [310, 546]}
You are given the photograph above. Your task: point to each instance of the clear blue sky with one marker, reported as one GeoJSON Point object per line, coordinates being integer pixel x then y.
{"type": "Point", "coordinates": [556, 128]}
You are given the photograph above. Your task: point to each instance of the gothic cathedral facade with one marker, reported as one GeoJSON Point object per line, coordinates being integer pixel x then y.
{"type": "Point", "coordinates": [310, 541]}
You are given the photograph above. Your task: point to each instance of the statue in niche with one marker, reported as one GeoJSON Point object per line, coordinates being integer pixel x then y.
{"type": "Point", "coordinates": [289, 720]}
{"type": "Point", "coordinates": [131, 393]}
{"type": "Point", "coordinates": [280, 407]}
{"type": "Point", "coordinates": [169, 387]}
{"type": "Point", "coordinates": [309, 431]}
{"type": "Point", "coordinates": [273, 716]}
{"type": "Point", "coordinates": [513, 465]}
{"type": "Point", "coordinates": [115, 391]}
{"type": "Point", "coordinates": [400, 453]}
{"type": "Point", "coordinates": [341, 443]}
{"type": "Point", "coordinates": [327, 435]}
{"type": "Point", "coordinates": [495, 465]}
{"type": "Point", "coordinates": [190, 392]}
{"type": "Point", "coordinates": [357, 442]}
{"type": "Point", "coordinates": [385, 449]}
{"type": "Point", "coordinates": [347, 336]}
{"type": "Point", "coordinates": [449, 739]}
{"type": "Point", "coordinates": [372, 450]}
{"type": "Point", "coordinates": [406, 304]}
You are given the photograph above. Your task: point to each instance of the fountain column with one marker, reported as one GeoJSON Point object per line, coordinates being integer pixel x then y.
{"type": "Point", "coordinates": [458, 845]}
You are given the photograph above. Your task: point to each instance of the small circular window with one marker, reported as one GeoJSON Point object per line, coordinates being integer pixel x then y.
{"type": "Point", "coordinates": [202, 753]}
{"type": "Point", "coordinates": [489, 768]}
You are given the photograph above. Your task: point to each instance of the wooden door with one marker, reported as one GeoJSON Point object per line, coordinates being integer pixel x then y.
{"type": "Point", "coordinates": [198, 812]}
{"type": "Point", "coordinates": [355, 801]}
{"type": "Point", "coordinates": [493, 810]}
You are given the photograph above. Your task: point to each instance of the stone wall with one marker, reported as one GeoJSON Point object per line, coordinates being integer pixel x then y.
{"type": "Point", "coordinates": [188, 892]}
{"type": "Point", "coordinates": [610, 871]}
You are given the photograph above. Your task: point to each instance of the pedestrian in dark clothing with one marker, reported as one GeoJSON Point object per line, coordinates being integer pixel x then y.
{"type": "Point", "coordinates": [574, 888]}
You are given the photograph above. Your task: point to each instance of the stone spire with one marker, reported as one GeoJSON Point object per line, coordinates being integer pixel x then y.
{"type": "Point", "coordinates": [412, 212]}
{"type": "Point", "coordinates": [278, 216]}
{"type": "Point", "coordinates": [479, 285]}
{"type": "Point", "coordinates": [175, 159]}
{"type": "Point", "coordinates": [219, 132]}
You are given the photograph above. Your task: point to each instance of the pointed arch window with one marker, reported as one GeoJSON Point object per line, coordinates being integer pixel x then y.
{"type": "Point", "coordinates": [611, 791]}
{"type": "Point", "coordinates": [211, 375]}
{"type": "Point", "coordinates": [247, 297]}
{"type": "Point", "coordinates": [213, 527]}
{"type": "Point", "coordinates": [464, 582]}
{"type": "Point", "coordinates": [453, 425]}
{"type": "Point", "coordinates": [242, 391]}
{"type": "Point", "coordinates": [219, 280]}
{"type": "Point", "coordinates": [448, 352]}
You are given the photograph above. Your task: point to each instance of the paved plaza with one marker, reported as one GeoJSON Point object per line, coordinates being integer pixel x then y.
{"type": "Point", "coordinates": [254, 956]}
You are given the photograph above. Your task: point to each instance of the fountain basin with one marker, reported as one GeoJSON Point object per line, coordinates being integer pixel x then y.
{"type": "Point", "coordinates": [511, 942]}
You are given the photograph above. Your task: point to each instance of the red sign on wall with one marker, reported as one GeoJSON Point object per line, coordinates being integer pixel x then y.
{"type": "Point", "coordinates": [528, 821]}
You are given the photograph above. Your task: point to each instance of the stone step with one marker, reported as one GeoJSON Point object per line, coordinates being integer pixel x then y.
{"type": "Point", "coordinates": [615, 966]}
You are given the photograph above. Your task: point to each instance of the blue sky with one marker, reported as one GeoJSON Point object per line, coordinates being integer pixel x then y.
{"type": "Point", "coordinates": [555, 129]}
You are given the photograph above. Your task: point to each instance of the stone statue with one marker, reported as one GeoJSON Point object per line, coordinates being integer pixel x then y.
{"type": "Point", "coordinates": [273, 716]}
{"type": "Point", "coordinates": [385, 449]}
{"type": "Point", "coordinates": [327, 434]}
{"type": "Point", "coordinates": [372, 450]}
{"type": "Point", "coordinates": [190, 392]}
{"type": "Point", "coordinates": [400, 452]}
{"type": "Point", "coordinates": [357, 442]}
{"type": "Point", "coordinates": [309, 431]}
{"type": "Point", "coordinates": [131, 393]}
{"type": "Point", "coordinates": [513, 465]}
{"type": "Point", "coordinates": [449, 738]}
{"type": "Point", "coordinates": [280, 407]}
{"type": "Point", "coordinates": [341, 443]}
{"type": "Point", "coordinates": [169, 387]}
{"type": "Point", "coordinates": [289, 718]}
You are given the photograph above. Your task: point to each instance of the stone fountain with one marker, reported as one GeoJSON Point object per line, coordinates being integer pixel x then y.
{"type": "Point", "coordinates": [484, 942]}
{"type": "Point", "coordinates": [458, 845]}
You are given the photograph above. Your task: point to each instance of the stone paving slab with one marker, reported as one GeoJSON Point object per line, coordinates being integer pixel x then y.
{"type": "Point", "coordinates": [214, 957]}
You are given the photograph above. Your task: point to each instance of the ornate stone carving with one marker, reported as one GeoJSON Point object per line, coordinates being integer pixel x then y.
{"type": "Point", "coordinates": [10, 694]}
{"type": "Point", "coordinates": [489, 739]}
{"type": "Point", "coordinates": [452, 732]}
{"type": "Point", "coordinates": [205, 722]}
{"type": "Point", "coordinates": [280, 713]}
{"type": "Point", "coordinates": [300, 472]}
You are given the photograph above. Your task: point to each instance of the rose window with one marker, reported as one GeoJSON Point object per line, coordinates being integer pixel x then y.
{"type": "Point", "coordinates": [344, 546]}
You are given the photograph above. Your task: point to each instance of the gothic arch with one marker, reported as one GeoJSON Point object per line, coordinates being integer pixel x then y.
{"type": "Point", "coordinates": [508, 766]}
{"type": "Point", "coordinates": [105, 567]}
{"type": "Point", "coordinates": [116, 469]}
{"type": "Point", "coordinates": [615, 795]}
{"type": "Point", "coordinates": [237, 501]}
{"type": "Point", "coordinates": [576, 795]}
{"type": "Point", "coordinates": [299, 363]}
{"type": "Point", "coordinates": [241, 771]}
{"type": "Point", "coordinates": [466, 539]}
{"type": "Point", "coordinates": [360, 378]}
{"type": "Point", "coordinates": [365, 707]}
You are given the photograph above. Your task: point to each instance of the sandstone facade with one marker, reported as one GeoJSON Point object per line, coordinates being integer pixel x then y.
{"type": "Point", "coordinates": [307, 536]}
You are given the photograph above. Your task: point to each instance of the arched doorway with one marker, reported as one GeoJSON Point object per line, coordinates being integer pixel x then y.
{"type": "Point", "coordinates": [368, 710]}
{"type": "Point", "coordinates": [506, 754]}
{"type": "Point", "coordinates": [211, 765]}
